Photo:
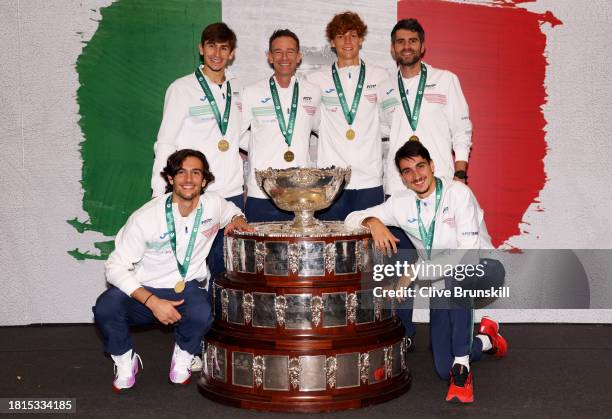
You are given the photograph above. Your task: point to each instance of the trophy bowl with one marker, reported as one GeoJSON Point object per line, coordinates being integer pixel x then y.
{"type": "Point", "coordinates": [303, 191]}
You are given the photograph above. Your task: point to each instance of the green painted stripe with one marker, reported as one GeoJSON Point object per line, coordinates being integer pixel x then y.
{"type": "Point", "coordinates": [387, 103]}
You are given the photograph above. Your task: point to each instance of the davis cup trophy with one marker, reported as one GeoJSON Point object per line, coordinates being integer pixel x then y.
{"type": "Point", "coordinates": [297, 327]}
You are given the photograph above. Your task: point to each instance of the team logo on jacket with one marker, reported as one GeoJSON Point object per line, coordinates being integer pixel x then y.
{"type": "Point", "coordinates": [203, 98]}
{"type": "Point", "coordinates": [435, 98]}
{"type": "Point", "coordinates": [371, 97]}
{"type": "Point", "coordinates": [266, 100]}
{"type": "Point", "coordinates": [391, 90]}
{"type": "Point", "coordinates": [210, 232]}
{"type": "Point", "coordinates": [449, 221]}
{"type": "Point", "coordinates": [329, 90]}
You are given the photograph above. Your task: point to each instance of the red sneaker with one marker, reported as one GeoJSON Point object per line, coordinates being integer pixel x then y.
{"type": "Point", "coordinates": [461, 389]}
{"type": "Point", "coordinates": [490, 328]}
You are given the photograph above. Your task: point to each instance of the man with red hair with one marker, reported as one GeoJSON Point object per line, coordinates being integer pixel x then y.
{"type": "Point", "coordinates": [349, 134]}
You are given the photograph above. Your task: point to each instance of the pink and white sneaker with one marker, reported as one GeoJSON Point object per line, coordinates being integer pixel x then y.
{"type": "Point", "coordinates": [180, 367]}
{"type": "Point", "coordinates": [126, 368]}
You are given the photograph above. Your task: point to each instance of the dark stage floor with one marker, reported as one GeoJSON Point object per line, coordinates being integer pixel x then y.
{"type": "Point", "coordinates": [550, 371]}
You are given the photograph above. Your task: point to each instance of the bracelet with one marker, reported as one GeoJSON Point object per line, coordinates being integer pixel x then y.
{"type": "Point", "coordinates": [147, 299]}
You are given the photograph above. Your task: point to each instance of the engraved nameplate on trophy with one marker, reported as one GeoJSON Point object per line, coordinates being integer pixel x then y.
{"type": "Point", "coordinates": [347, 373]}
{"type": "Point", "coordinates": [365, 307]}
{"type": "Point", "coordinates": [276, 372]}
{"type": "Point", "coordinates": [334, 309]}
{"type": "Point", "coordinates": [242, 371]}
{"type": "Point", "coordinates": [312, 259]}
{"type": "Point", "coordinates": [346, 261]}
{"type": "Point", "coordinates": [246, 256]}
{"type": "Point", "coordinates": [377, 365]}
{"type": "Point", "coordinates": [235, 313]}
{"type": "Point", "coordinates": [312, 373]}
{"type": "Point", "coordinates": [298, 314]}
{"type": "Point", "coordinates": [275, 262]}
{"type": "Point", "coordinates": [264, 314]}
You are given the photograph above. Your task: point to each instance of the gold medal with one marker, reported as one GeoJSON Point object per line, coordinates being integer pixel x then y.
{"type": "Point", "coordinates": [350, 134]}
{"type": "Point", "coordinates": [223, 145]}
{"type": "Point", "coordinates": [413, 138]}
{"type": "Point", "coordinates": [180, 286]}
{"type": "Point", "coordinates": [289, 156]}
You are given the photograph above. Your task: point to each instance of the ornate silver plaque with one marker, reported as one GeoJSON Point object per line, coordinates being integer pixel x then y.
{"type": "Point", "coordinates": [396, 360]}
{"type": "Point", "coordinates": [210, 350]}
{"type": "Point", "coordinates": [388, 361]}
{"type": "Point", "coordinates": [316, 307]}
{"type": "Point", "coordinates": [334, 309]}
{"type": "Point", "coordinates": [348, 374]}
{"type": "Point", "coordinates": [294, 372]}
{"type": "Point", "coordinates": [346, 260]}
{"type": "Point", "coordinates": [331, 368]}
{"type": "Point", "coordinates": [235, 312]}
{"type": "Point", "coordinates": [404, 350]}
{"type": "Point", "coordinates": [364, 367]}
{"type": "Point", "coordinates": [246, 255]}
{"type": "Point", "coordinates": [219, 364]}
{"type": "Point", "coordinates": [351, 307]}
{"type": "Point", "coordinates": [224, 304]}
{"type": "Point", "coordinates": [280, 305]}
{"type": "Point", "coordinates": [235, 254]}
{"type": "Point", "coordinates": [258, 370]}
{"type": "Point", "coordinates": [364, 254]}
{"type": "Point", "coordinates": [311, 261]}
{"type": "Point", "coordinates": [276, 372]}
{"type": "Point", "coordinates": [387, 311]}
{"type": "Point", "coordinates": [247, 306]}
{"type": "Point", "coordinates": [312, 373]}
{"type": "Point", "coordinates": [365, 307]}
{"type": "Point", "coordinates": [378, 370]}
{"type": "Point", "coordinates": [228, 252]}
{"type": "Point", "coordinates": [217, 301]}
{"type": "Point", "coordinates": [260, 253]}
{"type": "Point", "coordinates": [378, 307]}
{"type": "Point", "coordinates": [242, 369]}
{"type": "Point", "coordinates": [298, 314]}
{"type": "Point", "coordinates": [275, 261]}
{"type": "Point", "coordinates": [264, 313]}
{"type": "Point", "coordinates": [293, 257]}
{"type": "Point", "coordinates": [330, 257]}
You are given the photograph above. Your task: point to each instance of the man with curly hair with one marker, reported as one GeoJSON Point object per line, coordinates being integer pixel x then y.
{"type": "Point", "coordinates": [349, 134]}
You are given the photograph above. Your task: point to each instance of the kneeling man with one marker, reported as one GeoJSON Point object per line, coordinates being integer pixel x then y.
{"type": "Point", "coordinates": [446, 225]}
{"type": "Point", "coordinates": [158, 271]}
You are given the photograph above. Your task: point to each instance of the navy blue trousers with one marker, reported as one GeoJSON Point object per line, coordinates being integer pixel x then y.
{"type": "Point", "coordinates": [451, 322]}
{"type": "Point", "coordinates": [215, 259]}
{"type": "Point", "coordinates": [263, 210]}
{"type": "Point", "coordinates": [351, 200]}
{"type": "Point", "coordinates": [116, 311]}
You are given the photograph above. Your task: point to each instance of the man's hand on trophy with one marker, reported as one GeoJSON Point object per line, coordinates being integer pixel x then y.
{"type": "Point", "coordinates": [238, 223]}
{"type": "Point", "coordinates": [384, 240]}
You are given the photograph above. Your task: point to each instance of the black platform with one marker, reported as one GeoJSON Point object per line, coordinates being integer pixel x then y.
{"type": "Point", "coordinates": [550, 371]}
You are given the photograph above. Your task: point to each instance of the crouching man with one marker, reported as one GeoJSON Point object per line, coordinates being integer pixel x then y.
{"type": "Point", "coordinates": [444, 221]}
{"type": "Point", "coordinates": [158, 271]}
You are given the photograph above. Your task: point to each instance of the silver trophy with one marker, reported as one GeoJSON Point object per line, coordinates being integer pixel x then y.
{"type": "Point", "coordinates": [303, 191]}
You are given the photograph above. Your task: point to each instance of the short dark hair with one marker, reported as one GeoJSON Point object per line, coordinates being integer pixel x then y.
{"type": "Point", "coordinates": [409, 25]}
{"type": "Point", "coordinates": [344, 22]}
{"type": "Point", "coordinates": [219, 32]}
{"type": "Point", "coordinates": [410, 150]}
{"type": "Point", "coordinates": [175, 163]}
{"type": "Point", "coordinates": [279, 33]}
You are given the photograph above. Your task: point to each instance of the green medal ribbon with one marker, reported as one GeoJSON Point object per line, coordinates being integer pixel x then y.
{"type": "Point", "coordinates": [286, 130]}
{"type": "Point", "coordinates": [428, 236]}
{"type": "Point", "coordinates": [349, 114]}
{"type": "Point", "coordinates": [222, 123]}
{"type": "Point", "coordinates": [182, 268]}
{"type": "Point", "coordinates": [414, 118]}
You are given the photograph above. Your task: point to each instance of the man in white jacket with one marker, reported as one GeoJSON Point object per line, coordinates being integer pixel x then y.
{"type": "Point", "coordinates": [281, 110]}
{"type": "Point", "coordinates": [202, 111]}
{"type": "Point", "coordinates": [158, 270]}
{"type": "Point", "coordinates": [446, 225]}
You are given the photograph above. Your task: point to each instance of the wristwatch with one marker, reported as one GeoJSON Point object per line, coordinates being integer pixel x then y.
{"type": "Point", "coordinates": [461, 174]}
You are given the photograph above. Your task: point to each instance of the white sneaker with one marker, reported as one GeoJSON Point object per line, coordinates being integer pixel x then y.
{"type": "Point", "coordinates": [196, 364]}
{"type": "Point", "coordinates": [180, 367]}
{"type": "Point", "coordinates": [126, 368]}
